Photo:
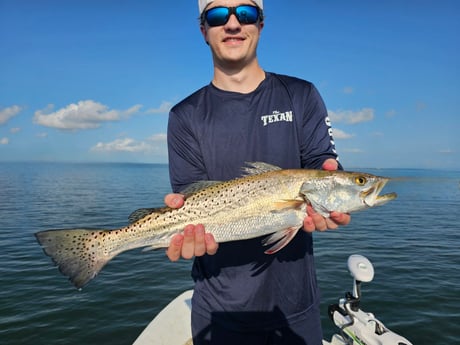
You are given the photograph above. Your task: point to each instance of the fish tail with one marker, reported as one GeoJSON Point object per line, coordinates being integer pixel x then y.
{"type": "Point", "coordinates": [78, 253]}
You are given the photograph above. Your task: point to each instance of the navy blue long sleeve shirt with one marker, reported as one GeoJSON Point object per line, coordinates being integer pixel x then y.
{"type": "Point", "coordinates": [211, 134]}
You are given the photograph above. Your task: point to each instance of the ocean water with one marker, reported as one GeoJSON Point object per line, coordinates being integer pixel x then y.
{"type": "Point", "coordinates": [413, 243]}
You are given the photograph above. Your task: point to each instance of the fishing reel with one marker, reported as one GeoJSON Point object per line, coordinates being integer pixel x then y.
{"type": "Point", "coordinates": [356, 326]}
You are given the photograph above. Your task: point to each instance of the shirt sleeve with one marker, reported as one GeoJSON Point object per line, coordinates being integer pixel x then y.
{"type": "Point", "coordinates": [317, 143]}
{"type": "Point", "coordinates": [185, 159]}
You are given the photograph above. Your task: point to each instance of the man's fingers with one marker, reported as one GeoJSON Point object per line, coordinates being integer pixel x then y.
{"type": "Point", "coordinates": [175, 247]}
{"type": "Point", "coordinates": [211, 244]}
{"type": "Point", "coordinates": [193, 242]}
{"type": "Point", "coordinates": [308, 224]}
{"type": "Point", "coordinates": [200, 245]}
{"type": "Point", "coordinates": [188, 247]}
{"type": "Point", "coordinates": [340, 218]}
{"type": "Point", "coordinates": [314, 221]}
{"type": "Point", "coordinates": [320, 221]}
{"type": "Point", "coordinates": [174, 200]}
{"type": "Point", "coordinates": [330, 164]}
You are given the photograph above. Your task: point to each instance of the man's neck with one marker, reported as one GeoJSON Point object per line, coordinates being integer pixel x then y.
{"type": "Point", "coordinates": [242, 80]}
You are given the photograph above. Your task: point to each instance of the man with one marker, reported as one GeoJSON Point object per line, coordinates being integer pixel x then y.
{"type": "Point", "coordinates": [243, 296]}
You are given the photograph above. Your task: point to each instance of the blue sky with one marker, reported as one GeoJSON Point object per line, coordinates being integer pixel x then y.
{"type": "Point", "coordinates": [93, 80]}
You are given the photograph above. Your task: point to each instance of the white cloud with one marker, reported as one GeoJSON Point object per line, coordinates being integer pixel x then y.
{"type": "Point", "coordinates": [83, 115]}
{"type": "Point", "coordinates": [156, 143]}
{"type": "Point", "coordinates": [121, 145]}
{"type": "Point", "coordinates": [15, 130]}
{"type": "Point", "coordinates": [8, 113]}
{"type": "Point", "coordinates": [4, 141]}
{"type": "Point", "coordinates": [161, 138]}
{"type": "Point", "coordinates": [339, 134]}
{"type": "Point", "coordinates": [352, 117]}
{"type": "Point", "coordinates": [42, 135]}
{"type": "Point", "coordinates": [164, 108]}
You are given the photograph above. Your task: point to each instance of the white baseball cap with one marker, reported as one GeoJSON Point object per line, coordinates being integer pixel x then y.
{"type": "Point", "coordinates": [203, 3]}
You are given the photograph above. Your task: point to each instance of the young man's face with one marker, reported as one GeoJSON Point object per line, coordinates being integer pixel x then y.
{"type": "Point", "coordinates": [232, 43]}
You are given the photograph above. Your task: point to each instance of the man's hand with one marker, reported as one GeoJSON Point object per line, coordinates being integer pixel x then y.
{"type": "Point", "coordinates": [194, 241]}
{"type": "Point", "coordinates": [314, 221]}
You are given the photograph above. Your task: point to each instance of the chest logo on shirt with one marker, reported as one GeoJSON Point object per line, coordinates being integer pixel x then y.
{"type": "Point", "coordinates": [276, 116]}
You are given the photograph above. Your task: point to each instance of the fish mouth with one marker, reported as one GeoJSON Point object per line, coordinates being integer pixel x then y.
{"type": "Point", "coordinates": [371, 197]}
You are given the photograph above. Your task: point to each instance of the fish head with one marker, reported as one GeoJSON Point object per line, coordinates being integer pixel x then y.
{"type": "Point", "coordinates": [344, 191]}
{"type": "Point", "coordinates": [370, 196]}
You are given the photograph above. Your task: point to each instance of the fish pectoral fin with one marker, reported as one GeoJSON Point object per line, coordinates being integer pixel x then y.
{"type": "Point", "coordinates": [289, 204]}
{"type": "Point", "coordinates": [280, 238]}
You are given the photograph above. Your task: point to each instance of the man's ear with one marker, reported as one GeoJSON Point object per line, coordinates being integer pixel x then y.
{"type": "Point", "coordinates": [204, 33]}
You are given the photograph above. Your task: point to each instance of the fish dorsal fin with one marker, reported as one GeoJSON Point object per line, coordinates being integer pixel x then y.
{"type": "Point", "coordinates": [144, 212]}
{"type": "Point", "coordinates": [191, 189]}
{"type": "Point", "coordinates": [198, 186]}
{"type": "Point", "coordinates": [254, 168]}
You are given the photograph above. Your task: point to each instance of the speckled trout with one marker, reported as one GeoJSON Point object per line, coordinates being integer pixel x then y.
{"type": "Point", "coordinates": [267, 200]}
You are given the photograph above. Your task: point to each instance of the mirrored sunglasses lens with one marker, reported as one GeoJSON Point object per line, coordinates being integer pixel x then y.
{"type": "Point", "coordinates": [247, 14]}
{"type": "Point", "coordinates": [217, 16]}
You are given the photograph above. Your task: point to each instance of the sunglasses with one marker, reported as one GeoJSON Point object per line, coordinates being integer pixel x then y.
{"type": "Point", "coordinates": [246, 14]}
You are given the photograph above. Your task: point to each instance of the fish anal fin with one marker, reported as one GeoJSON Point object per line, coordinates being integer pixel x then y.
{"type": "Point", "coordinates": [280, 238]}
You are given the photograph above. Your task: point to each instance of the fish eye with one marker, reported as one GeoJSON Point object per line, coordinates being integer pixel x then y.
{"type": "Point", "coordinates": [360, 180]}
